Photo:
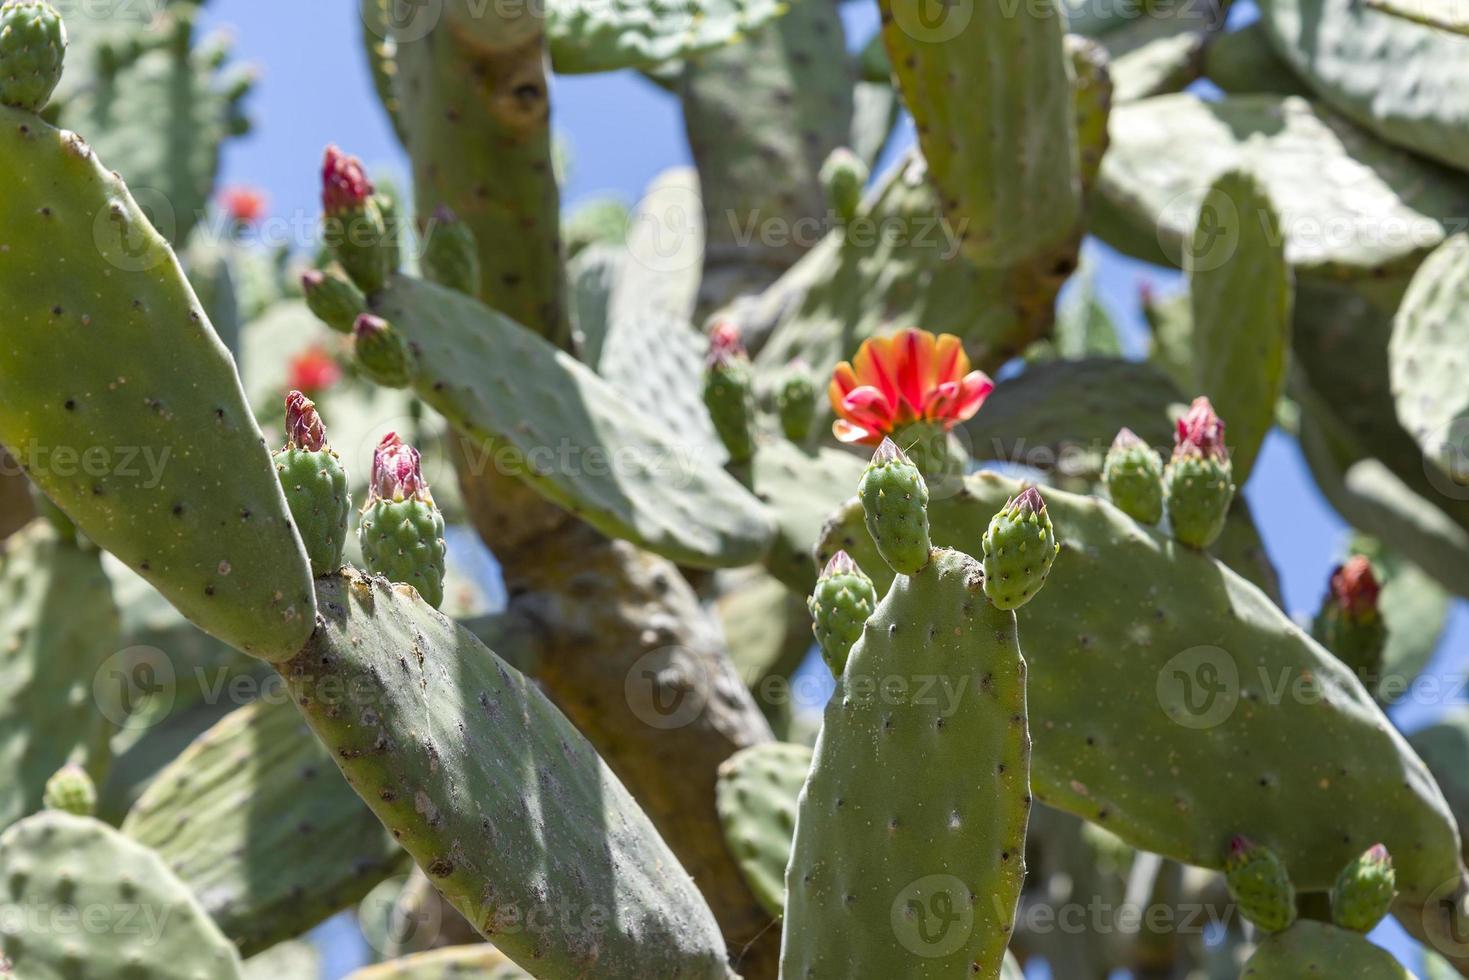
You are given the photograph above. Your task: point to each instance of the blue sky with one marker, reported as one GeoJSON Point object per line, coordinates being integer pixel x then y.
{"type": "Point", "coordinates": [620, 132]}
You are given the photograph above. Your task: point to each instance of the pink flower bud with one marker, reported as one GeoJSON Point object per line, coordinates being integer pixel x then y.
{"type": "Point", "coordinates": [397, 471]}
{"type": "Point", "coordinates": [344, 184]}
{"type": "Point", "coordinates": [725, 344]}
{"type": "Point", "coordinates": [840, 563]}
{"type": "Point", "coordinates": [1200, 433]}
{"type": "Point", "coordinates": [1355, 588]}
{"type": "Point", "coordinates": [303, 425]}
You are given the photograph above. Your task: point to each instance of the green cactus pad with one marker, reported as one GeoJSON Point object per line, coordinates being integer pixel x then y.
{"type": "Point", "coordinates": [512, 817]}
{"type": "Point", "coordinates": [1242, 297]}
{"type": "Point", "coordinates": [895, 500]}
{"type": "Point", "coordinates": [1440, 14]}
{"type": "Point", "coordinates": [1311, 950]}
{"type": "Point", "coordinates": [525, 404]}
{"type": "Point", "coordinates": [72, 791]}
{"type": "Point", "coordinates": [1260, 886]}
{"type": "Point", "coordinates": [477, 962]}
{"type": "Point", "coordinates": [841, 603]}
{"type": "Point", "coordinates": [762, 116]}
{"type": "Point", "coordinates": [600, 221]}
{"type": "Point", "coordinates": [1443, 747]}
{"type": "Point", "coordinates": [171, 162]}
{"type": "Point", "coordinates": [32, 49]}
{"type": "Point", "coordinates": [315, 484]}
{"type": "Point", "coordinates": [800, 487]}
{"type": "Point", "coordinates": [256, 820]}
{"type": "Point", "coordinates": [1071, 410]}
{"type": "Point", "coordinates": [1019, 549]}
{"type": "Point", "coordinates": [1158, 53]}
{"type": "Point", "coordinates": [1364, 892]}
{"type": "Point", "coordinates": [1415, 610]}
{"type": "Point", "coordinates": [200, 515]}
{"type": "Point", "coordinates": [1353, 57]}
{"type": "Point", "coordinates": [486, 156]}
{"type": "Point", "coordinates": [61, 630]}
{"type": "Point", "coordinates": [1195, 657]}
{"type": "Point", "coordinates": [656, 362]}
{"type": "Point", "coordinates": [1242, 62]}
{"type": "Point", "coordinates": [1376, 500]}
{"type": "Point", "coordinates": [151, 925]}
{"type": "Point", "coordinates": [990, 93]}
{"type": "Point", "coordinates": [1133, 475]}
{"type": "Point", "coordinates": [854, 286]}
{"type": "Point", "coordinates": [608, 37]}
{"type": "Point", "coordinates": [756, 797]}
{"type": "Point", "coordinates": [1199, 492]}
{"type": "Point", "coordinates": [664, 259]}
{"type": "Point", "coordinates": [1429, 355]}
{"type": "Point", "coordinates": [592, 275]}
{"type": "Point", "coordinates": [295, 959]}
{"type": "Point", "coordinates": [1166, 152]}
{"type": "Point", "coordinates": [403, 540]}
{"type": "Point", "coordinates": [910, 835]}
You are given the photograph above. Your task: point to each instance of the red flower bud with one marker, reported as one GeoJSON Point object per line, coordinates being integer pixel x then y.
{"type": "Point", "coordinates": [344, 184]}
{"type": "Point", "coordinates": [303, 425]}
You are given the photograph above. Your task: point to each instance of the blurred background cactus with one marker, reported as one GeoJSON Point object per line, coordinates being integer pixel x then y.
{"type": "Point", "coordinates": [919, 489]}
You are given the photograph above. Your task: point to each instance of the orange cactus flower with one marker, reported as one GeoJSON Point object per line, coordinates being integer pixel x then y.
{"type": "Point", "coordinates": [313, 370]}
{"type": "Point", "coordinates": [244, 205]}
{"type": "Point", "coordinates": [911, 376]}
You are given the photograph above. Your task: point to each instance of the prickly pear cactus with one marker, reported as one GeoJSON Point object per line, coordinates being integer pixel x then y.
{"type": "Point", "coordinates": [757, 795]}
{"type": "Point", "coordinates": [58, 859]}
{"type": "Point", "coordinates": [900, 865]}
{"type": "Point", "coordinates": [199, 514]}
{"type": "Point", "coordinates": [1019, 549]}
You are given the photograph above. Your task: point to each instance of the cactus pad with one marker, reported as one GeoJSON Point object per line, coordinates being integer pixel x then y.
{"type": "Point", "coordinates": [756, 797]}
{"type": "Point", "coordinates": [609, 37]}
{"type": "Point", "coordinates": [61, 630]}
{"type": "Point", "coordinates": [1193, 654]}
{"type": "Point", "coordinates": [54, 859]}
{"type": "Point", "coordinates": [512, 817]}
{"type": "Point", "coordinates": [526, 404]}
{"type": "Point", "coordinates": [479, 962]}
{"type": "Point", "coordinates": [200, 515]}
{"type": "Point", "coordinates": [256, 820]}
{"type": "Point", "coordinates": [1429, 355]}
{"type": "Point", "coordinates": [910, 836]}
{"type": "Point", "coordinates": [1242, 297]}
{"type": "Point", "coordinates": [1166, 152]}
{"type": "Point", "coordinates": [990, 92]}
{"type": "Point", "coordinates": [1353, 56]}
{"type": "Point", "coordinates": [1308, 950]}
